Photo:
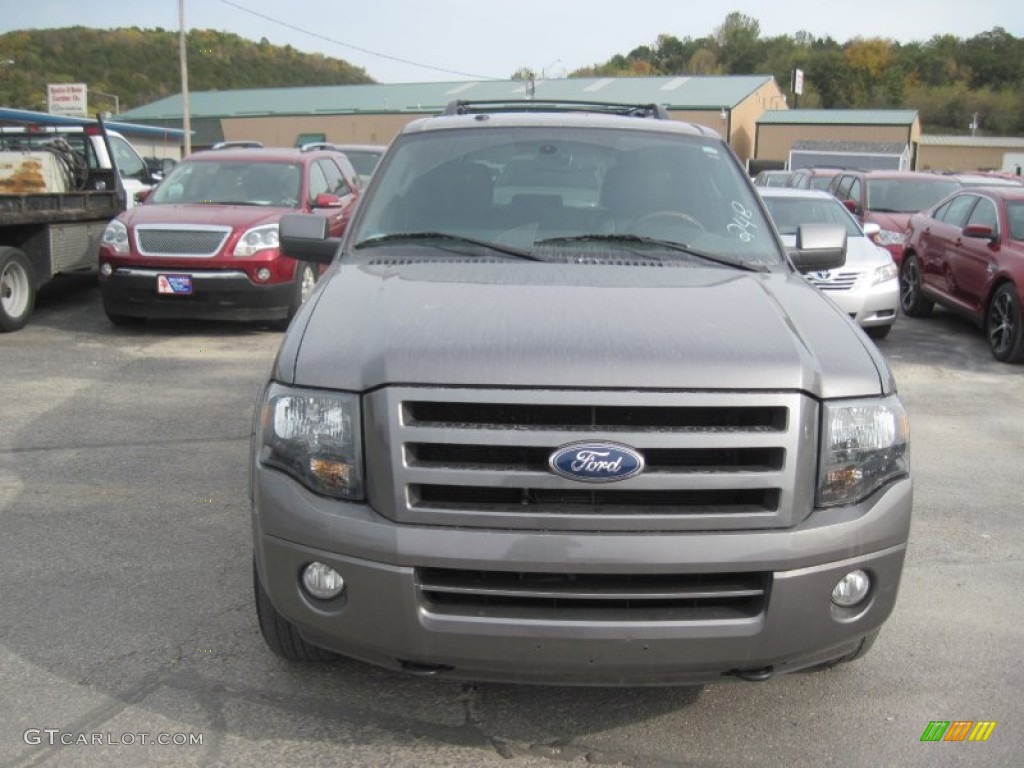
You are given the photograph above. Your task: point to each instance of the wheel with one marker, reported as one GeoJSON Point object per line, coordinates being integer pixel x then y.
{"type": "Point", "coordinates": [305, 280]}
{"type": "Point", "coordinates": [878, 331]}
{"type": "Point", "coordinates": [665, 219]}
{"type": "Point", "coordinates": [279, 634]}
{"type": "Point", "coordinates": [1003, 323]}
{"type": "Point", "coordinates": [912, 302]}
{"type": "Point", "coordinates": [17, 289]}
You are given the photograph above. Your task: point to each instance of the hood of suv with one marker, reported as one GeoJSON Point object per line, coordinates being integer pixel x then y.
{"type": "Point", "coordinates": [234, 216]}
{"type": "Point", "coordinates": [515, 324]}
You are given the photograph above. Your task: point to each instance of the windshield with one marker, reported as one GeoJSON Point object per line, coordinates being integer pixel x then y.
{"type": "Point", "coordinates": [364, 161]}
{"type": "Point", "coordinates": [907, 195]}
{"type": "Point", "coordinates": [789, 213]}
{"type": "Point", "coordinates": [231, 183]}
{"type": "Point", "coordinates": [555, 191]}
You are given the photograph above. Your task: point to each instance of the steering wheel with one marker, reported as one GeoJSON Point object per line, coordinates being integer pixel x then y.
{"type": "Point", "coordinates": [667, 217]}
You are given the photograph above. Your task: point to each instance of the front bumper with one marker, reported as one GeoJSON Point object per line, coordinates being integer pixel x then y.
{"type": "Point", "coordinates": [870, 307]}
{"type": "Point", "coordinates": [383, 617]}
{"type": "Point", "coordinates": [216, 294]}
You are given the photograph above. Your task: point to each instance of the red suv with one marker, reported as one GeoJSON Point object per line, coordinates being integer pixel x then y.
{"type": "Point", "coordinates": [204, 243]}
{"type": "Point", "coordinates": [888, 199]}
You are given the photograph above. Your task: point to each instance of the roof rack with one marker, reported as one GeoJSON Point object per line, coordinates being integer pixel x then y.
{"type": "Point", "coordinates": [460, 107]}
{"type": "Point", "coordinates": [313, 145]}
{"type": "Point", "coordinates": [238, 145]}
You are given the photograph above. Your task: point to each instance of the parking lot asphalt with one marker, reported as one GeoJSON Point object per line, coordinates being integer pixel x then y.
{"type": "Point", "coordinates": [126, 611]}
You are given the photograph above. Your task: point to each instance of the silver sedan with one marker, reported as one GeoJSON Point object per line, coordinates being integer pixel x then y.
{"type": "Point", "coordinates": [866, 287]}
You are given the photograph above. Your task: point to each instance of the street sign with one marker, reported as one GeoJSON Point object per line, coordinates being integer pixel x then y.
{"type": "Point", "coordinates": [70, 99]}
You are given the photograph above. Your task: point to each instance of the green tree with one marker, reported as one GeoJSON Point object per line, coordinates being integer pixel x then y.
{"type": "Point", "coordinates": [740, 49]}
{"type": "Point", "coordinates": [995, 58]}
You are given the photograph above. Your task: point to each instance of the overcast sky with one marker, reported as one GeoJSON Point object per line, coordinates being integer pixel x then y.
{"type": "Point", "coordinates": [398, 41]}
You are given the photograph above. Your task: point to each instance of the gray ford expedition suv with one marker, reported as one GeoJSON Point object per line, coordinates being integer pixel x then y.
{"type": "Point", "coordinates": [563, 410]}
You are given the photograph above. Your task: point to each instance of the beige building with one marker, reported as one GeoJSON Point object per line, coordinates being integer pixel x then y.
{"type": "Point", "coordinates": [972, 153]}
{"type": "Point", "coordinates": [777, 131]}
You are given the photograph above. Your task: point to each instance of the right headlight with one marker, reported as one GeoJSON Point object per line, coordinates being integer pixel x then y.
{"type": "Point", "coordinates": [888, 237]}
{"type": "Point", "coordinates": [115, 237]}
{"type": "Point", "coordinates": [864, 444]}
{"type": "Point", "coordinates": [315, 437]}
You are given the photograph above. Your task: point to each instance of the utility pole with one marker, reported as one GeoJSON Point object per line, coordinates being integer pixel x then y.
{"type": "Point", "coordinates": [183, 59]}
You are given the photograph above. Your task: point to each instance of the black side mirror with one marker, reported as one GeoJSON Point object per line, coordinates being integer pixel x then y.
{"type": "Point", "coordinates": [306, 237]}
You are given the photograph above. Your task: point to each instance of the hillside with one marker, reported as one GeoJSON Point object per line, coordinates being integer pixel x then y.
{"type": "Point", "coordinates": [140, 66]}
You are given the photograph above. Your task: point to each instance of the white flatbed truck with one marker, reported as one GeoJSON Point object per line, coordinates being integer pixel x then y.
{"type": "Point", "coordinates": [53, 210]}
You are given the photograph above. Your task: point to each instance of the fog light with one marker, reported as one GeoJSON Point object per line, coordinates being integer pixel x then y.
{"type": "Point", "coordinates": [851, 589]}
{"type": "Point", "coordinates": [106, 270]}
{"type": "Point", "coordinates": [263, 274]}
{"type": "Point", "coordinates": [322, 581]}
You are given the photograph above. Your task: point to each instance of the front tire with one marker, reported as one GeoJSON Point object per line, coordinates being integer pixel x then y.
{"type": "Point", "coordinates": [877, 332]}
{"type": "Point", "coordinates": [279, 634]}
{"type": "Point", "coordinates": [912, 301]}
{"type": "Point", "coordinates": [1003, 325]}
{"type": "Point", "coordinates": [17, 289]}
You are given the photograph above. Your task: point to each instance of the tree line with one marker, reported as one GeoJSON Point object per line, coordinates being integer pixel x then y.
{"type": "Point", "coordinates": [947, 79]}
{"type": "Point", "coordinates": [141, 66]}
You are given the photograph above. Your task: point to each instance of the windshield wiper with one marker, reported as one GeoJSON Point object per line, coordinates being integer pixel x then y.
{"type": "Point", "coordinates": [642, 240]}
{"type": "Point", "coordinates": [398, 237]}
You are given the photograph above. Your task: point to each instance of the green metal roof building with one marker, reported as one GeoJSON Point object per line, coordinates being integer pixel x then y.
{"type": "Point", "coordinates": [779, 130]}
{"type": "Point", "coordinates": [373, 114]}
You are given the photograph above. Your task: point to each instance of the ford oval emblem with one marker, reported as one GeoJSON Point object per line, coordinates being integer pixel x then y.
{"type": "Point", "coordinates": [596, 462]}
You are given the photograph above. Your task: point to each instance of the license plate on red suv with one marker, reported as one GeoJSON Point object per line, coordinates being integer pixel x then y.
{"type": "Point", "coordinates": [180, 285]}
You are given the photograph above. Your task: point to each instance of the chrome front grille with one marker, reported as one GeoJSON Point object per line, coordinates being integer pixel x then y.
{"type": "Point", "coordinates": [593, 597]}
{"type": "Point", "coordinates": [187, 240]}
{"type": "Point", "coordinates": [835, 281]}
{"type": "Point", "coordinates": [479, 458]}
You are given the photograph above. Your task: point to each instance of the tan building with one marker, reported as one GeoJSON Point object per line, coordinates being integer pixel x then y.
{"type": "Point", "coordinates": [778, 131]}
{"type": "Point", "coordinates": [374, 114]}
{"type": "Point", "coordinates": [972, 153]}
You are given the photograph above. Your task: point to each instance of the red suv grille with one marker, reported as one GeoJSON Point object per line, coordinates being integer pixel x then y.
{"type": "Point", "coordinates": [163, 240]}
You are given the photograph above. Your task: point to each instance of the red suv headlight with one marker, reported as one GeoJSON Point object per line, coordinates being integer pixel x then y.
{"type": "Point", "coordinates": [257, 239]}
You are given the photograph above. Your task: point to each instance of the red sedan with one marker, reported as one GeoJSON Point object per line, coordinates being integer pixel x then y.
{"type": "Point", "coordinates": [967, 254]}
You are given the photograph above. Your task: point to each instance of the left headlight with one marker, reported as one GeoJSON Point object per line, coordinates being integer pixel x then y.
{"type": "Point", "coordinates": [257, 239]}
{"type": "Point", "coordinates": [864, 444]}
{"type": "Point", "coordinates": [314, 436]}
{"type": "Point", "coordinates": [115, 237]}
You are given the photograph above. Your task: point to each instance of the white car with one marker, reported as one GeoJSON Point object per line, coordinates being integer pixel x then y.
{"type": "Point", "coordinates": [866, 287]}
